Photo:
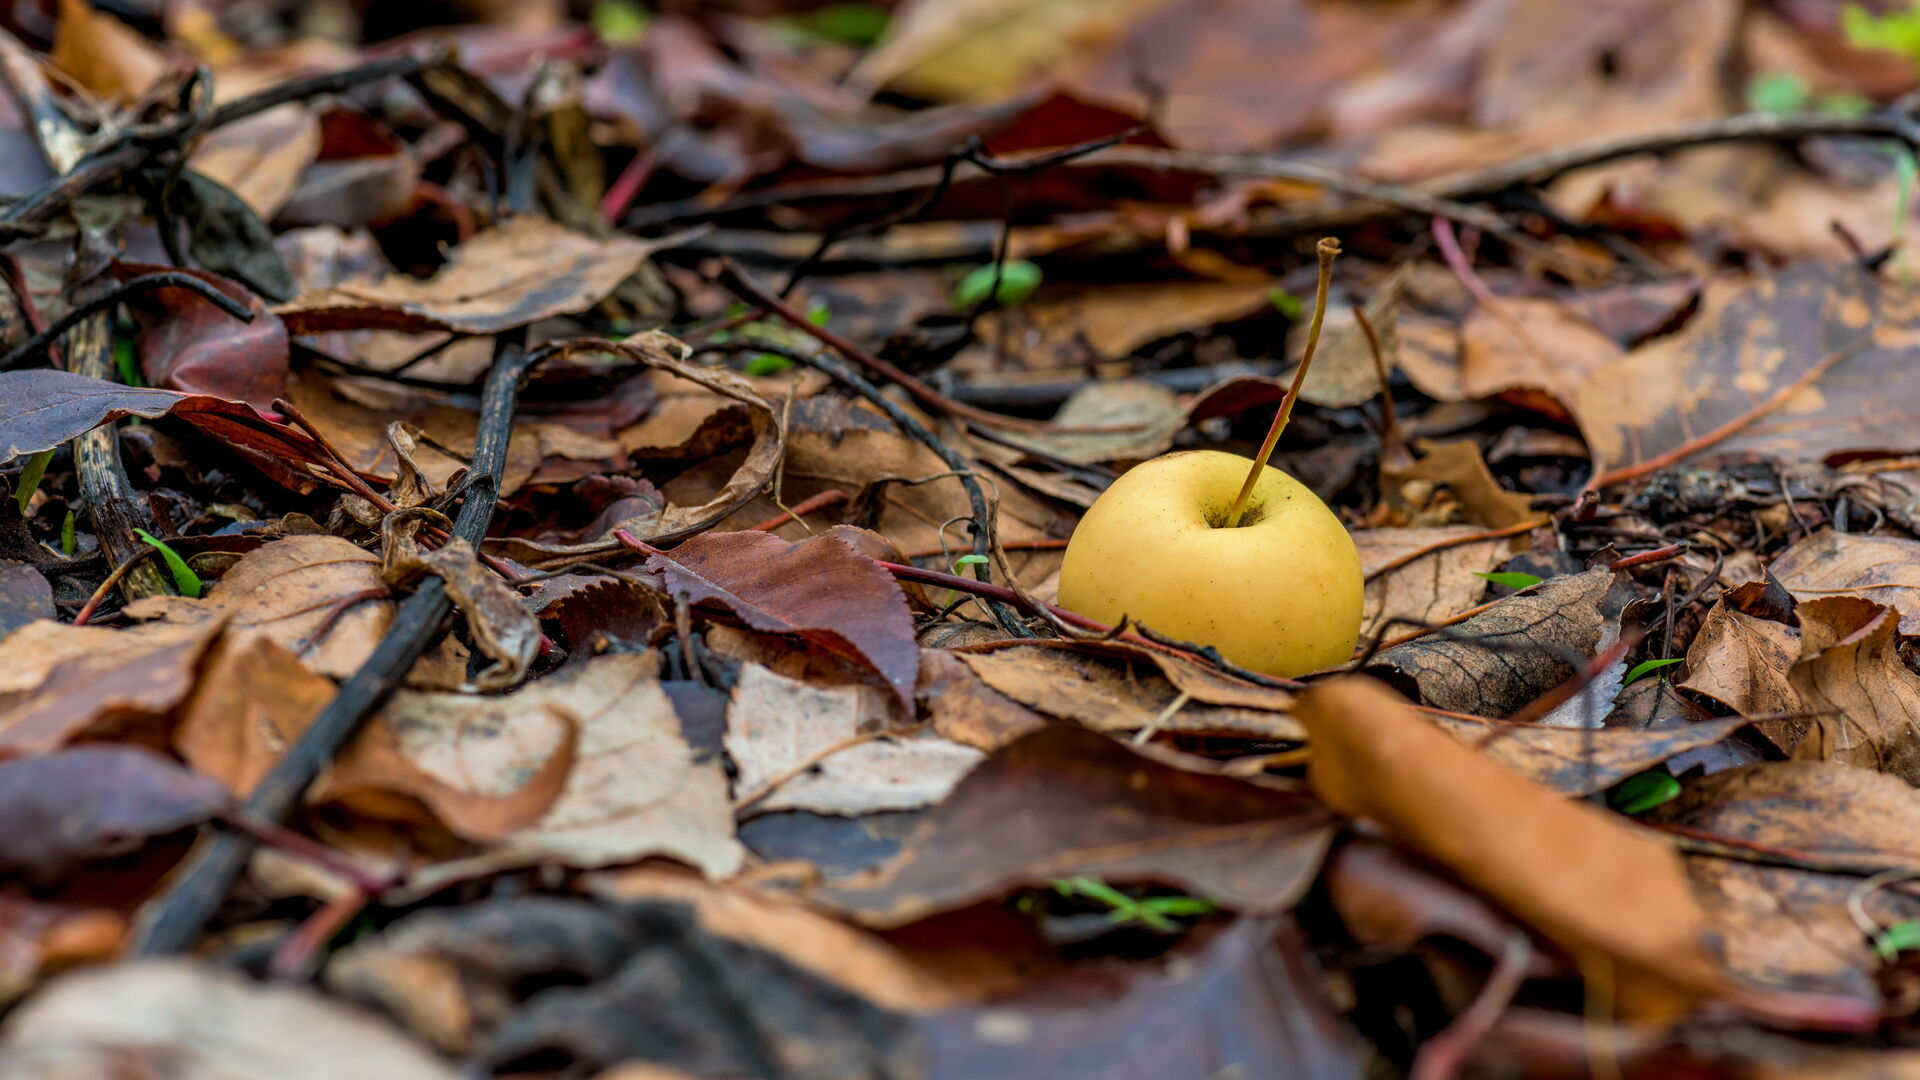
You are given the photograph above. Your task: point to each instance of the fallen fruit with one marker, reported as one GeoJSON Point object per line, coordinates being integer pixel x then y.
{"type": "Point", "coordinates": [1280, 594]}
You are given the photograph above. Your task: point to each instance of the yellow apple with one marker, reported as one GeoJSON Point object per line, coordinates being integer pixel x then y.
{"type": "Point", "coordinates": [1281, 593]}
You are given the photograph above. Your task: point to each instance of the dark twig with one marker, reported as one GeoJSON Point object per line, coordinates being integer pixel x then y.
{"type": "Point", "coordinates": [171, 922]}
{"type": "Point", "coordinates": [962, 468]}
{"type": "Point", "coordinates": [105, 301]}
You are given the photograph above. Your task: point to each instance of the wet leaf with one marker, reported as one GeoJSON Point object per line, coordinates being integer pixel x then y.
{"type": "Point", "coordinates": [1604, 893]}
{"type": "Point", "coordinates": [1064, 802]}
{"type": "Point", "coordinates": [199, 1022]}
{"type": "Point", "coordinates": [91, 802]}
{"type": "Point", "coordinates": [819, 589]}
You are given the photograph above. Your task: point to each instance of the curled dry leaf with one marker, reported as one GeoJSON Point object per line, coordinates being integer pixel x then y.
{"type": "Point", "coordinates": [1428, 589]}
{"type": "Point", "coordinates": [519, 272]}
{"type": "Point", "coordinates": [819, 589]}
{"type": "Point", "coordinates": [497, 620]}
{"type": "Point", "coordinates": [186, 343]}
{"type": "Point", "coordinates": [193, 1021]}
{"type": "Point", "coordinates": [116, 684]}
{"type": "Point", "coordinates": [965, 709]}
{"type": "Point", "coordinates": [91, 802]}
{"type": "Point", "coordinates": [635, 788]}
{"type": "Point", "coordinates": [1065, 802]}
{"type": "Point", "coordinates": [1616, 899]}
{"type": "Point", "coordinates": [320, 597]}
{"type": "Point", "coordinates": [1581, 761]}
{"type": "Point", "coordinates": [1790, 928]}
{"type": "Point", "coordinates": [776, 724]}
{"type": "Point", "coordinates": [1458, 465]}
{"type": "Point", "coordinates": [1884, 569]}
{"type": "Point", "coordinates": [1851, 673]}
{"type": "Point", "coordinates": [1510, 654]}
{"type": "Point", "coordinates": [1742, 662]}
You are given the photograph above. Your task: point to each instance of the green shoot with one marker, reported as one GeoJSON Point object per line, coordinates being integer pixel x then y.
{"type": "Point", "coordinates": [1779, 93]}
{"type": "Point", "coordinates": [1906, 171]}
{"type": "Point", "coordinates": [765, 363]}
{"type": "Point", "coordinates": [1511, 579]}
{"type": "Point", "coordinates": [1895, 32]}
{"type": "Point", "coordinates": [1328, 250]}
{"type": "Point", "coordinates": [67, 541]}
{"type": "Point", "coordinates": [184, 578]}
{"type": "Point", "coordinates": [1154, 912]}
{"type": "Point", "coordinates": [1018, 280]}
{"type": "Point", "coordinates": [1645, 666]}
{"type": "Point", "coordinates": [30, 474]}
{"type": "Point", "coordinates": [859, 25]}
{"type": "Point", "coordinates": [1285, 303]}
{"type": "Point", "coordinates": [1642, 792]}
{"type": "Point", "coordinates": [620, 22]}
{"type": "Point", "coordinates": [967, 560]}
{"type": "Point", "coordinates": [1896, 939]}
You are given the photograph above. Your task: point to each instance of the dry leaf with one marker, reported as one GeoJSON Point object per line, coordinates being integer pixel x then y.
{"type": "Point", "coordinates": [1065, 802]}
{"type": "Point", "coordinates": [774, 724]}
{"type": "Point", "coordinates": [1742, 662]}
{"type": "Point", "coordinates": [191, 1021]}
{"type": "Point", "coordinates": [90, 802]}
{"type": "Point", "coordinates": [252, 702]}
{"type": "Point", "coordinates": [635, 788]}
{"type": "Point", "coordinates": [496, 619]}
{"type": "Point", "coordinates": [984, 50]}
{"type": "Point", "coordinates": [101, 692]}
{"type": "Point", "coordinates": [1581, 761]}
{"type": "Point", "coordinates": [261, 158]}
{"type": "Point", "coordinates": [1850, 670]}
{"type": "Point", "coordinates": [966, 710]}
{"type": "Point", "coordinates": [526, 269]}
{"type": "Point", "coordinates": [1786, 927]}
{"type": "Point", "coordinates": [1884, 569]}
{"type": "Point", "coordinates": [1428, 589]}
{"type": "Point", "coordinates": [819, 589]}
{"type": "Point", "coordinates": [1614, 898]}
{"type": "Point", "coordinates": [1153, 410]}
{"type": "Point", "coordinates": [1085, 686]}
{"type": "Point", "coordinates": [1068, 327]}
{"type": "Point", "coordinates": [1458, 466]}
{"type": "Point", "coordinates": [103, 54]}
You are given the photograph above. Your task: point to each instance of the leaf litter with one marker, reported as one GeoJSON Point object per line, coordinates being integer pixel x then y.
{"type": "Point", "coordinates": [603, 669]}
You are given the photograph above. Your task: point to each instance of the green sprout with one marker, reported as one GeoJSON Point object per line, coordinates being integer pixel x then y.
{"type": "Point", "coordinates": [1018, 280]}
{"type": "Point", "coordinates": [126, 363]}
{"type": "Point", "coordinates": [620, 22]}
{"type": "Point", "coordinates": [1895, 32]}
{"type": "Point", "coordinates": [30, 474]}
{"type": "Point", "coordinates": [1642, 792]}
{"type": "Point", "coordinates": [1888, 944]}
{"type": "Point", "coordinates": [1645, 666]}
{"type": "Point", "coordinates": [1153, 912]}
{"type": "Point", "coordinates": [67, 541]}
{"type": "Point", "coordinates": [1511, 579]}
{"type": "Point", "coordinates": [1285, 303]}
{"type": "Point", "coordinates": [184, 578]}
{"type": "Point", "coordinates": [859, 25]}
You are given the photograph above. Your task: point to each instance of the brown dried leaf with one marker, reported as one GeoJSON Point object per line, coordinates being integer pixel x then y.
{"type": "Point", "coordinates": [1065, 802]}
{"type": "Point", "coordinates": [319, 597]}
{"type": "Point", "coordinates": [91, 802]}
{"type": "Point", "coordinates": [260, 158]}
{"type": "Point", "coordinates": [497, 620]}
{"type": "Point", "coordinates": [1750, 340]}
{"type": "Point", "coordinates": [1850, 669]}
{"type": "Point", "coordinates": [185, 343]}
{"type": "Point", "coordinates": [1605, 893]}
{"type": "Point", "coordinates": [1577, 761]}
{"type": "Point", "coordinates": [774, 724]}
{"type": "Point", "coordinates": [252, 702]}
{"type": "Point", "coordinates": [1068, 327]}
{"type": "Point", "coordinates": [1788, 927]}
{"type": "Point", "coordinates": [25, 596]}
{"type": "Point", "coordinates": [1153, 410]}
{"type": "Point", "coordinates": [1429, 589]}
{"type": "Point", "coordinates": [1086, 685]}
{"type": "Point", "coordinates": [519, 272]}
{"type": "Point", "coordinates": [1884, 569]}
{"type": "Point", "coordinates": [103, 54]}
{"type": "Point", "coordinates": [820, 589]}
{"type": "Point", "coordinates": [103, 690]}
{"type": "Point", "coordinates": [963, 708]}
{"type": "Point", "coordinates": [635, 788]}
{"type": "Point", "coordinates": [1742, 662]}
{"type": "Point", "coordinates": [192, 1021]}
{"type": "Point", "coordinates": [1458, 465]}
{"type": "Point", "coordinates": [1508, 655]}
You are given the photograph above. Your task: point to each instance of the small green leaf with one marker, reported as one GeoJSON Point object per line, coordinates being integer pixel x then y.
{"type": "Point", "coordinates": [620, 22]}
{"type": "Point", "coordinates": [859, 25]}
{"type": "Point", "coordinates": [1285, 303]}
{"type": "Point", "coordinates": [968, 560]}
{"type": "Point", "coordinates": [184, 578]}
{"type": "Point", "coordinates": [1896, 939]}
{"type": "Point", "coordinates": [67, 542]}
{"type": "Point", "coordinates": [1778, 92]}
{"type": "Point", "coordinates": [30, 474]}
{"type": "Point", "coordinates": [767, 364]}
{"type": "Point", "coordinates": [1018, 280]}
{"type": "Point", "coordinates": [1642, 792]}
{"type": "Point", "coordinates": [819, 314]}
{"type": "Point", "coordinates": [1512, 579]}
{"type": "Point", "coordinates": [1645, 666]}
{"type": "Point", "coordinates": [1093, 889]}
{"type": "Point", "coordinates": [1846, 105]}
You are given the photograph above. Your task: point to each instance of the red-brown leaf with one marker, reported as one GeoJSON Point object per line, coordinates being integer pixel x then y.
{"type": "Point", "coordinates": [94, 801]}
{"type": "Point", "coordinates": [819, 588]}
{"type": "Point", "coordinates": [188, 344]}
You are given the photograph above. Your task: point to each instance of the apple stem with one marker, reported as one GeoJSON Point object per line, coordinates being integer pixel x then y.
{"type": "Point", "coordinates": [1328, 250]}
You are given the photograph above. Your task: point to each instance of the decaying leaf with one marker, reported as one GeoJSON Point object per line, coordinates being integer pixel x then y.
{"type": "Point", "coordinates": [775, 724]}
{"type": "Point", "coordinates": [819, 589]}
{"type": "Point", "coordinates": [1429, 589]}
{"type": "Point", "coordinates": [186, 343]}
{"type": "Point", "coordinates": [1742, 662]}
{"type": "Point", "coordinates": [1884, 569]}
{"type": "Point", "coordinates": [497, 621]}
{"type": "Point", "coordinates": [1850, 672]}
{"type": "Point", "coordinates": [635, 789]}
{"type": "Point", "coordinates": [1790, 928]}
{"type": "Point", "coordinates": [1458, 465]}
{"type": "Point", "coordinates": [1617, 900]}
{"type": "Point", "coordinates": [519, 272]}
{"type": "Point", "coordinates": [1065, 802]}
{"type": "Point", "coordinates": [965, 709]}
{"type": "Point", "coordinates": [252, 702]}
{"type": "Point", "coordinates": [194, 1021]}
{"type": "Point", "coordinates": [103, 690]}
{"type": "Point", "coordinates": [1581, 761]}
{"type": "Point", "coordinates": [90, 802]}
{"type": "Point", "coordinates": [1505, 657]}
{"type": "Point", "coordinates": [1093, 689]}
